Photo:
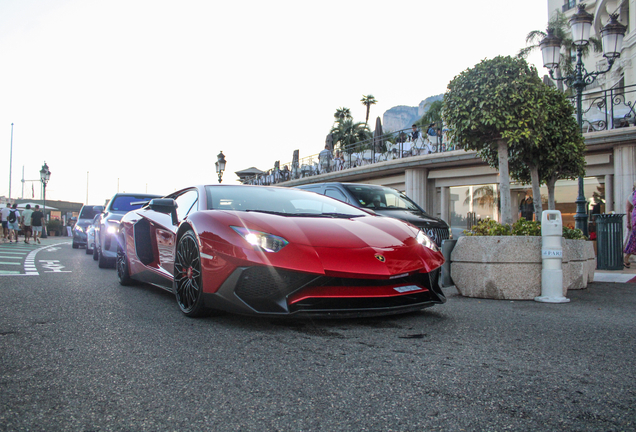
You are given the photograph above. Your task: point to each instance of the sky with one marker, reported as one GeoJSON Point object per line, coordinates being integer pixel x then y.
{"type": "Point", "coordinates": [141, 95]}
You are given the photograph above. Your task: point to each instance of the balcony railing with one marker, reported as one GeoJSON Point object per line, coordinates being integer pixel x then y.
{"type": "Point", "coordinates": [390, 146]}
{"type": "Point", "coordinates": [609, 109]}
{"type": "Point", "coordinates": [602, 110]}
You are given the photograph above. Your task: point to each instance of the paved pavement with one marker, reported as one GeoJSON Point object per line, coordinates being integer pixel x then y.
{"type": "Point", "coordinates": [18, 258]}
{"type": "Point", "coordinates": [80, 352]}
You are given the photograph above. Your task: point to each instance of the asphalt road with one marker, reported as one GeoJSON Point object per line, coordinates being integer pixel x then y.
{"type": "Point", "coordinates": [79, 352]}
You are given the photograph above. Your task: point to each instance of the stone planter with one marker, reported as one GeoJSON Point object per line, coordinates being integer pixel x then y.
{"type": "Point", "coordinates": [509, 267]}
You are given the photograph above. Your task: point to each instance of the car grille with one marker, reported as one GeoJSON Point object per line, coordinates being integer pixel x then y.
{"type": "Point", "coordinates": [265, 289]}
{"type": "Point", "coordinates": [259, 283]}
{"type": "Point", "coordinates": [436, 234]}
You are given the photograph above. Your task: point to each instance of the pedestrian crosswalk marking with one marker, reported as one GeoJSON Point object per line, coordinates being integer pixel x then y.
{"type": "Point", "coordinates": [51, 266]}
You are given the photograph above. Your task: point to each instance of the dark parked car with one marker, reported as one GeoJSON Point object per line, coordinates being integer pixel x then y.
{"type": "Point", "coordinates": [85, 218]}
{"type": "Point", "coordinates": [385, 201]}
{"type": "Point", "coordinates": [108, 224]}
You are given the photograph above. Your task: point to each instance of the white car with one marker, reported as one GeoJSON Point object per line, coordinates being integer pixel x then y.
{"type": "Point", "coordinates": [90, 237]}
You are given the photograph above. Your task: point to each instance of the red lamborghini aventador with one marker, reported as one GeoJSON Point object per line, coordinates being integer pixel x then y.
{"type": "Point", "coordinates": [277, 251]}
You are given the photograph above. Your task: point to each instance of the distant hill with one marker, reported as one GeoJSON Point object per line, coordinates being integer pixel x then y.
{"type": "Point", "coordinates": [402, 117]}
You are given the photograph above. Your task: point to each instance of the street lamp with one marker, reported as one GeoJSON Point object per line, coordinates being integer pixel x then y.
{"type": "Point", "coordinates": [581, 25]}
{"type": "Point", "coordinates": [45, 175]}
{"type": "Point", "coordinates": [220, 165]}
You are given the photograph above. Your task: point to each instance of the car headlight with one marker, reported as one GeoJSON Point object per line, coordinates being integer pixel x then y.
{"type": "Point", "coordinates": [113, 226]}
{"type": "Point", "coordinates": [261, 240]}
{"type": "Point", "coordinates": [78, 228]}
{"type": "Point", "coordinates": [425, 240]}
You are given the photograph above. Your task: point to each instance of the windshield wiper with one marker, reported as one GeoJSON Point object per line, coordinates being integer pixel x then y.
{"type": "Point", "coordinates": [321, 215]}
{"type": "Point", "coordinates": [271, 212]}
{"type": "Point", "coordinates": [340, 215]}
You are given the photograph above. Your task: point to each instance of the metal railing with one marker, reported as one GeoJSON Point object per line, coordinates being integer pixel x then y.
{"type": "Point", "coordinates": [609, 109]}
{"type": "Point", "coordinates": [390, 146]}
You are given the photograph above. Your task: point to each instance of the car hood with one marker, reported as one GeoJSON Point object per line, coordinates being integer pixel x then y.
{"type": "Point", "coordinates": [357, 232]}
{"type": "Point", "coordinates": [114, 216]}
{"type": "Point", "coordinates": [337, 246]}
{"type": "Point", "coordinates": [415, 217]}
{"type": "Point", "coordinates": [84, 222]}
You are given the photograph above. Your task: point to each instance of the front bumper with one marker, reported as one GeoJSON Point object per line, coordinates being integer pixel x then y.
{"type": "Point", "coordinates": [79, 237]}
{"type": "Point", "coordinates": [274, 292]}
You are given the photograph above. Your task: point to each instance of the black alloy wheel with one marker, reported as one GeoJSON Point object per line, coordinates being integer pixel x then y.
{"type": "Point", "coordinates": [123, 272]}
{"type": "Point", "coordinates": [187, 277]}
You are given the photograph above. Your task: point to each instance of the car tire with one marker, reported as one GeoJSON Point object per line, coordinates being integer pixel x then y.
{"type": "Point", "coordinates": [187, 283]}
{"type": "Point", "coordinates": [123, 271]}
{"type": "Point", "coordinates": [75, 245]}
{"type": "Point", "coordinates": [95, 254]}
{"type": "Point", "coordinates": [88, 251]}
{"type": "Point", "coordinates": [104, 262]}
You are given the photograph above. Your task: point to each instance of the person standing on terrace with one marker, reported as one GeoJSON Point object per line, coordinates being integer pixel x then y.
{"type": "Point", "coordinates": [415, 133]}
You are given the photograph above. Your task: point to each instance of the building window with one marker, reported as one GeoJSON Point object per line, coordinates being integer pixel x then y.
{"type": "Point", "coordinates": [568, 4]}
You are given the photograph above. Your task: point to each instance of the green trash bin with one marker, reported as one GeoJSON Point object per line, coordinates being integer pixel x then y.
{"type": "Point", "coordinates": [609, 241]}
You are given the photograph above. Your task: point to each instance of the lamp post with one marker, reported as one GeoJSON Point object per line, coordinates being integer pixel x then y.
{"type": "Point", "coordinates": [45, 175]}
{"type": "Point", "coordinates": [612, 35]}
{"type": "Point", "coordinates": [220, 165]}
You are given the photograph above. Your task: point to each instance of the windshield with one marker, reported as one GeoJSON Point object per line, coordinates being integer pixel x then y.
{"type": "Point", "coordinates": [87, 212]}
{"type": "Point", "coordinates": [381, 198]}
{"type": "Point", "coordinates": [122, 203]}
{"type": "Point", "coordinates": [281, 201]}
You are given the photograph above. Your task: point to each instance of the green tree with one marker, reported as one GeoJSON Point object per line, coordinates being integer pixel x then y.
{"type": "Point", "coordinates": [559, 155]}
{"type": "Point", "coordinates": [346, 132]}
{"type": "Point", "coordinates": [559, 26]}
{"type": "Point", "coordinates": [342, 114]}
{"type": "Point", "coordinates": [367, 101]}
{"type": "Point", "coordinates": [433, 114]}
{"type": "Point", "coordinates": [494, 108]}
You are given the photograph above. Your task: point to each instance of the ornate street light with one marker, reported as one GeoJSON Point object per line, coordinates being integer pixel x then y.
{"type": "Point", "coordinates": [45, 176]}
{"type": "Point", "coordinates": [220, 165]}
{"type": "Point", "coordinates": [581, 25]}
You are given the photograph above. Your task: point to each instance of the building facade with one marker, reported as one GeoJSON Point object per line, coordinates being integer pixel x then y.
{"type": "Point", "coordinates": [460, 188]}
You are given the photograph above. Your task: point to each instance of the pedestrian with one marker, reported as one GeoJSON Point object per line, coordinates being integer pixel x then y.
{"type": "Point", "coordinates": [36, 224]}
{"type": "Point", "coordinates": [415, 133]}
{"type": "Point", "coordinates": [526, 208]}
{"type": "Point", "coordinates": [14, 223]}
{"type": "Point", "coordinates": [4, 215]}
{"type": "Point", "coordinates": [630, 247]}
{"type": "Point", "coordinates": [26, 223]}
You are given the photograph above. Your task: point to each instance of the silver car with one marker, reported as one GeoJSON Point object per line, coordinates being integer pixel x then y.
{"type": "Point", "coordinates": [105, 251]}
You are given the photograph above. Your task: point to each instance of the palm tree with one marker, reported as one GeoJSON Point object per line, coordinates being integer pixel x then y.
{"type": "Point", "coordinates": [559, 27]}
{"type": "Point", "coordinates": [433, 114]}
{"type": "Point", "coordinates": [367, 101]}
{"type": "Point", "coordinates": [346, 132]}
{"type": "Point", "coordinates": [342, 114]}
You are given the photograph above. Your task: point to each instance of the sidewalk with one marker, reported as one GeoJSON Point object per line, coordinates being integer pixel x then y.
{"type": "Point", "coordinates": [627, 275]}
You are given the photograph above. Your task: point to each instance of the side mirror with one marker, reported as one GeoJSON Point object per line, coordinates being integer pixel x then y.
{"type": "Point", "coordinates": [165, 205]}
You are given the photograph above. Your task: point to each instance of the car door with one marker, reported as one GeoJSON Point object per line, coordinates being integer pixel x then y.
{"type": "Point", "coordinates": [155, 234]}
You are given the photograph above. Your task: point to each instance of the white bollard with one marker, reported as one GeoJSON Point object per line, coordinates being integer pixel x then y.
{"type": "Point", "coordinates": [552, 258]}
